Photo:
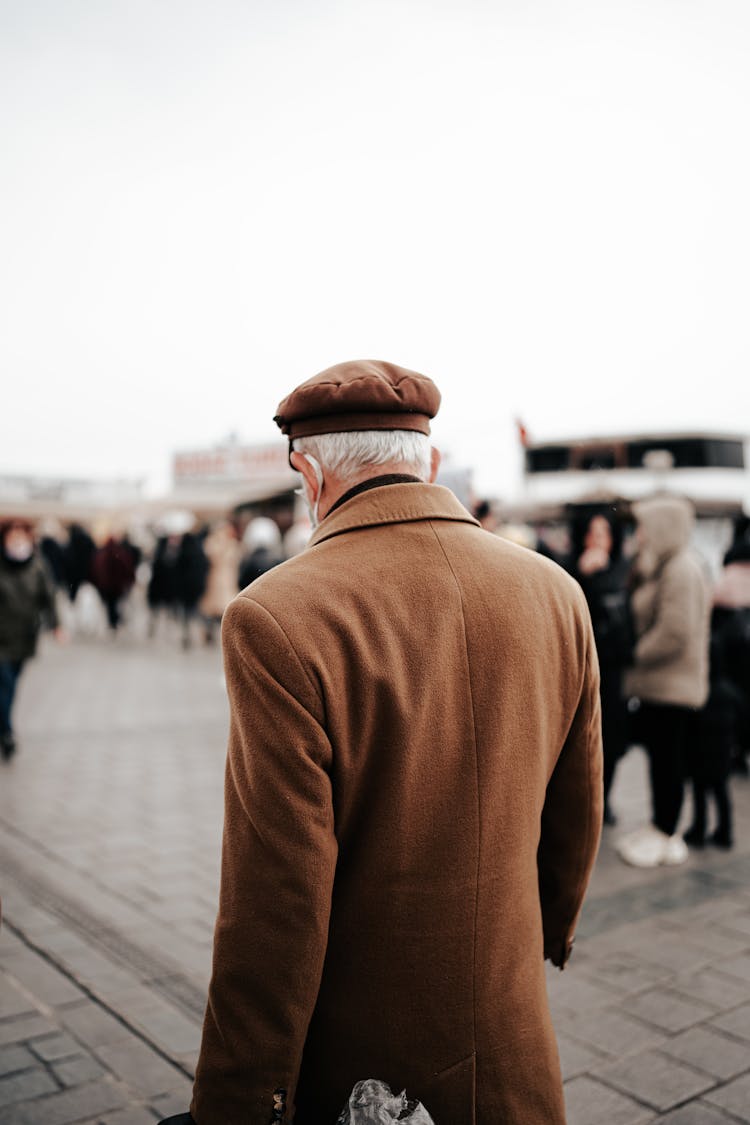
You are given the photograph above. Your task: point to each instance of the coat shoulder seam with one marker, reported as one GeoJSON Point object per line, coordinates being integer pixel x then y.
{"type": "Point", "coordinates": [292, 649]}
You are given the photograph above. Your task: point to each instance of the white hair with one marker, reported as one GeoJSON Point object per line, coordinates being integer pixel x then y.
{"type": "Point", "coordinates": [348, 454]}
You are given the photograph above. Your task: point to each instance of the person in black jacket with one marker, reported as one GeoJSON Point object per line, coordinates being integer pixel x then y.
{"type": "Point", "coordinates": [732, 607]}
{"type": "Point", "coordinates": [596, 561]}
{"type": "Point", "coordinates": [178, 579]}
{"type": "Point", "coordinates": [711, 740]}
{"type": "Point", "coordinates": [27, 601]}
{"type": "Point", "coordinates": [721, 732]}
{"type": "Point", "coordinates": [78, 555]}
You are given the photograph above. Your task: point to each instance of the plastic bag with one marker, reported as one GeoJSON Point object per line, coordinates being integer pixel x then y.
{"type": "Point", "coordinates": [373, 1103]}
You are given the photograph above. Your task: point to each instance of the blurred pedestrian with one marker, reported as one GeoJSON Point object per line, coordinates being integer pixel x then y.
{"type": "Point", "coordinates": [262, 551]}
{"type": "Point", "coordinates": [52, 549]}
{"type": "Point", "coordinates": [113, 574]}
{"type": "Point", "coordinates": [413, 790]}
{"type": "Point", "coordinates": [711, 741]}
{"type": "Point", "coordinates": [669, 674]}
{"type": "Point", "coordinates": [178, 577]}
{"type": "Point", "coordinates": [223, 554]}
{"type": "Point", "coordinates": [597, 563]}
{"type": "Point", "coordinates": [79, 553]}
{"type": "Point", "coordinates": [27, 602]}
{"type": "Point", "coordinates": [732, 604]}
{"type": "Point", "coordinates": [485, 515]}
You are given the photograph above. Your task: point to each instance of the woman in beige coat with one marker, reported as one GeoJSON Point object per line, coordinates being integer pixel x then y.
{"type": "Point", "coordinates": [669, 676]}
{"type": "Point", "coordinates": [223, 553]}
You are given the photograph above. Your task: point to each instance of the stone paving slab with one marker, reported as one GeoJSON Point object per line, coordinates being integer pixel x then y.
{"type": "Point", "coordinates": [697, 1113]}
{"type": "Point", "coordinates": [709, 1051]}
{"type": "Point", "coordinates": [668, 1010]}
{"type": "Point", "coordinates": [734, 1097]}
{"type": "Point", "coordinates": [735, 1022]}
{"type": "Point", "coordinates": [655, 1079]}
{"type": "Point", "coordinates": [613, 1033]}
{"type": "Point", "coordinates": [110, 825]}
{"type": "Point", "coordinates": [589, 1102]}
{"type": "Point", "coordinates": [66, 1057]}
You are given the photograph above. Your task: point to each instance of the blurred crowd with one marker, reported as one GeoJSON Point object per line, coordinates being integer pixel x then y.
{"type": "Point", "coordinates": [673, 647]}
{"type": "Point", "coordinates": [674, 656]}
{"type": "Point", "coordinates": [84, 582]}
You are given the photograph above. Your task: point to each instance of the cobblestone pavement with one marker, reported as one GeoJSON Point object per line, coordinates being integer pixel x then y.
{"type": "Point", "coordinates": [110, 820]}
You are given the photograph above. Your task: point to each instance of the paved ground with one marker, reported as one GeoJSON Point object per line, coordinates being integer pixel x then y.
{"type": "Point", "coordinates": [109, 833]}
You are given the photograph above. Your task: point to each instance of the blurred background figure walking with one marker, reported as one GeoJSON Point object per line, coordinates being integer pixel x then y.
{"type": "Point", "coordinates": [113, 574]}
{"type": "Point", "coordinates": [78, 556]}
{"type": "Point", "coordinates": [178, 575]}
{"type": "Point", "coordinates": [597, 563]}
{"type": "Point", "coordinates": [732, 613]}
{"type": "Point", "coordinates": [52, 540]}
{"type": "Point", "coordinates": [669, 673]}
{"type": "Point", "coordinates": [223, 555]}
{"type": "Point", "coordinates": [711, 741]}
{"type": "Point", "coordinates": [722, 733]}
{"type": "Point", "coordinates": [27, 601]}
{"type": "Point", "coordinates": [261, 550]}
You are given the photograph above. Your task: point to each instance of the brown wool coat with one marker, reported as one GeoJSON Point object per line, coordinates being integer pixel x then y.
{"type": "Point", "coordinates": [413, 802]}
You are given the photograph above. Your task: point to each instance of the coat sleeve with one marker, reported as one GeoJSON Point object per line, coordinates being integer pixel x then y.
{"type": "Point", "coordinates": [675, 621]}
{"type": "Point", "coordinates": [572, 816]}
{"type": "Point", "coordinates": [278, 860]}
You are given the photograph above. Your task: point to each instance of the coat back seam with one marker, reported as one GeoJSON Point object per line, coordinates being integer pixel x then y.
{"type": "Point", "coordinates": [478, 791]}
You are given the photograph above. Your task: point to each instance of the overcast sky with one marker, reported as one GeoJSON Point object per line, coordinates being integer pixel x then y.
{"type": "Point", "coordinates": [543, 205]}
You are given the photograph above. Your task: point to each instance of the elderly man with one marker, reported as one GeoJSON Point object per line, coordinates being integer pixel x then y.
{"type": "Point", "coordinates": [413, 790]}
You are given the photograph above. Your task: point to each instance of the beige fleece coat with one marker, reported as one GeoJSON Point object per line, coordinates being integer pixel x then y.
{"type": "Point", "coordinates": [223, 554]}
{"type": "Point", "coordinates": [671, 608]}
{"type": "Point", "coordinates": [413, 807]}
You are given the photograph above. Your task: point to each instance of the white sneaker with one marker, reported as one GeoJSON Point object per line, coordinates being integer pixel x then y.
{"type": "Point", "coordinates": [675, 851]}
{"type": "Point", "coordinates": [648, 847]}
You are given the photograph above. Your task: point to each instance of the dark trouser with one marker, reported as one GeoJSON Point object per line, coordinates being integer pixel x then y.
{"type": "Point", "coordinates": [112, 604]}
{"type": "Point", "coordinates": [614, 722]}
{"type": "Point", "coordinates": [710, 764]}
{"type": "Point", "coordinates": [10, 670]}
{"type": "Point", "coordinates": [663, 729]}
{"type": "Point", "coordinates": [720, 790]}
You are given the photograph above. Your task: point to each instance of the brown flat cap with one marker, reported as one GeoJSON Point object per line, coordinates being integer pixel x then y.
{"type": "Point", "coordinates": [363, 394]}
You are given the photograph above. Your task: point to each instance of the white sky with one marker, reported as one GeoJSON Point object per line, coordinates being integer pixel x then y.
{"type": "Point", "coordinates": [543, 205]}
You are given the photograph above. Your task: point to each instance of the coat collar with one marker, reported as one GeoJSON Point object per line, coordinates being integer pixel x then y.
{"type": "Point", "coordinates": [394, 503]}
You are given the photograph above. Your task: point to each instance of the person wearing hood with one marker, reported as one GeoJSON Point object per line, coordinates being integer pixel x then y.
{"type": "Point", "coordinates": [261, 545]}
{"type": "Point", "coordinates": [27, 599]}
{"type": "Point", "coordinates": [669, 674]}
